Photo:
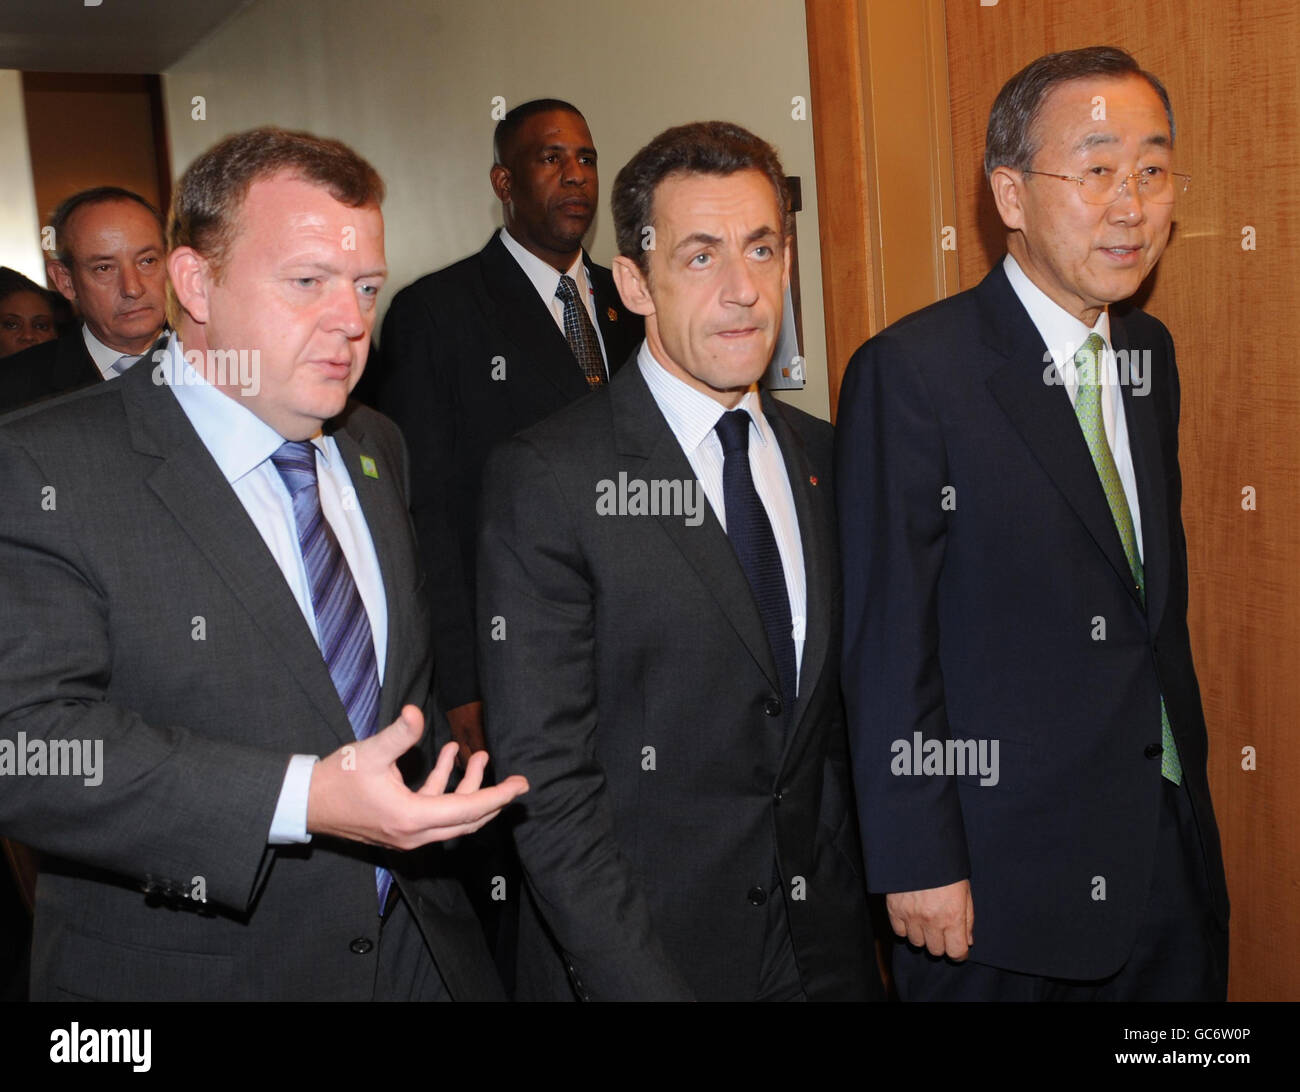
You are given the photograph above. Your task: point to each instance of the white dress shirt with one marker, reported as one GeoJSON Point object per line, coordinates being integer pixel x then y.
{"type": "Point", "coordinates": [1063, 334]}
{"type": "Point", "coordinates": [693, 416]}
{"type": "Point", "coordinates": [546, 279]}
{"type": "Point", "coordinates": [102, 355]}
{"type": "Point", "coordinates": [242, 444]}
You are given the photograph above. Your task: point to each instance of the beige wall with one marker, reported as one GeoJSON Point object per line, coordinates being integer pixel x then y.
{"type": "Point", "coordinates": [411, 85]}
{"type": "Point", "coordinates": [20, 246]}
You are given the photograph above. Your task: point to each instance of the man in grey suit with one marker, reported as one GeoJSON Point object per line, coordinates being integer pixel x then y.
{"type": "Point", "coordinates": [210, 579]}
{"type": "Point", "coordinates": [659, 628]}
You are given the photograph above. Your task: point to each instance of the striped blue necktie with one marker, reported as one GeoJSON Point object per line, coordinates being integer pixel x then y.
{"type": "Point", "coordinates": [341, 621]}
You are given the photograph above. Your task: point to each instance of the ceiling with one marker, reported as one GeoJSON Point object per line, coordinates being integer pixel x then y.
{"type": "Point", "coordinates": [145, 36]}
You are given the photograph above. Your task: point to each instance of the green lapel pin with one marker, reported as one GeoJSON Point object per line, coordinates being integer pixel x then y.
{"type": "Point", "coordinates": [368, 467]}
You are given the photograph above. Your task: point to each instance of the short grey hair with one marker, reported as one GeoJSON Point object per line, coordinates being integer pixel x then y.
{"type": "Point", "coordinates": [1009, 140]}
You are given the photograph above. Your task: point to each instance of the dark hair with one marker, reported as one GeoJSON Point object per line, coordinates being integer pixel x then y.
{"type": "Point", "coordinates": [703, 147]}
{"type": "Point", "coordinates": [503, 136]}
{"type": "Point", "coordinates": [13, 282]}
{"type": "Point", "coordinates": [211, 192]}
{"type": "Point", "coordinates": [99, 195]}
{"type": "Point", "coordinates": [1009, 139]}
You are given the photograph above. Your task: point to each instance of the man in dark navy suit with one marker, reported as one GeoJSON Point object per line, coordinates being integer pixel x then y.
{"type": "Point", "coordinates": [1029, 746]}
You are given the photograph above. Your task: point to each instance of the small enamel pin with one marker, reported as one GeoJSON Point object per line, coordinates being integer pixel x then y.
{"type": "Point", "coordinates": [812, 479]}
{"type": "Point", "coordinates": [612, 315]}
{"type": "Point", "coordinates": [368, 467]}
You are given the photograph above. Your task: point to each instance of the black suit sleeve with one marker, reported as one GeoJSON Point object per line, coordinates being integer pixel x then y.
{"type": "Point", "coordinates": [417, 390]}
{"type": "Point", "coordinates": [539, 671]}
{"type": "Point", "coordinates": [891, 470]}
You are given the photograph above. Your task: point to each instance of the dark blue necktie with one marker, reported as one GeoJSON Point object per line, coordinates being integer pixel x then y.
{"type": "Point", "coordinates": [341, 621]}
{"type": "Point", "coordinates": [750, 532]}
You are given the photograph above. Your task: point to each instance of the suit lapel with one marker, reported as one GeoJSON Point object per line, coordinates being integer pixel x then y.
{"type": "Point", "coordinates": [1041, 413]}
{"type": "Point", "coordinates": [1149, 472]}
{"type": "Point", "coordinates": [641, 432]}
{"type": "Point", "coordinates": [380, 500]}
{"type": "Point", "coordinates": [614, 320]}
{"type": "Point", "coordinates": [818, 557]}
{"type": "Point", "coordinates": [188, 481]}
{"type": "Point", "coordinates": [515, 308]}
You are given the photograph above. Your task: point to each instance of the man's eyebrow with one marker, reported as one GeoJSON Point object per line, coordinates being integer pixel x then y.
{"type": "Point", "coordinates": [298, 265]}
{"type": "Point", "coordinates": [698, 237]}
{"type": "Point", "coordinates": [705, 239]}
{"type": "Point", "coordinates": [582, 149]}
{"type": "Point", "coordinates": [1093, 140]}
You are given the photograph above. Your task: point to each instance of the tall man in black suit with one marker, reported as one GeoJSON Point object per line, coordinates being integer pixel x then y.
{"type": "Point", "coordinates": [477, 351]}
{"type": "Point", "coordinates": [659, 615]}
{"type": "Point", "coordinates": [1029, 746]}
{"type": "Point", "coordinates": [210, 579]}
{"type": "Point", "coordinates": [110, 265]}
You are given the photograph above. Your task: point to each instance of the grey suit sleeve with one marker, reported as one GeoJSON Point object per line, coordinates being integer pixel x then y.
{"type": "Point", "coordinates": [536, 595]}
{"type": "Point", "coordinates": [165, 805]}
{"type": "Point", "coordinates": [891, 468]}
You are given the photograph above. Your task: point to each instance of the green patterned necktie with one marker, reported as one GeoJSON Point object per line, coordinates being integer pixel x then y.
{"type": "Point", "coordinates": [1087, 407]}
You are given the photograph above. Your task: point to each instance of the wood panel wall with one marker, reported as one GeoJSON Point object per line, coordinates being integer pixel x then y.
{"type": "Point", "coordinates": [884, 166]}
{"type": "Point", "coordinates": [1227, 289]}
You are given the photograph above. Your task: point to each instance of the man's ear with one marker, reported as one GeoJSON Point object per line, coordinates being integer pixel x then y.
{"type": "Point", "coordinates": [1008, 193]}
{"type": "Point", "coordinates": [61, 275]}
{"type": "Point", "coordinates": [633, 287]}
{"type": "Point", "coordinates": [500, 178]}
{"type": "Point", "coordinates": [788, 247]}
{"type": "Point", "coordinates": [191, 278]}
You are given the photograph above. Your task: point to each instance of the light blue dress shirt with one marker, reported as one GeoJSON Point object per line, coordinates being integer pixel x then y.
{"type": "Point", "coordinates": [242, 444]}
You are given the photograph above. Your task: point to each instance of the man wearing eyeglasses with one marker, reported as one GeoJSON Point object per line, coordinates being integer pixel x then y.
{"type": "Point", "coordinates": [1028, 740]}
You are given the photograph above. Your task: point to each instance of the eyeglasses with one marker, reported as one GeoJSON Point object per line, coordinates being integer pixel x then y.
{"type": "Point", "coordinates": [1100, 186]}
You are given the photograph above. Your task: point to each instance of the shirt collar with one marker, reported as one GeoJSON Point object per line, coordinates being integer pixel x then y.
{"type": "Point", "coordinates": [102, 355]}
{"type": "Point", "coordinates": [238, 440]}
{"type": "Point", "coordinates": [1061, 331]}
{"type": "Point", "coordinates": [692, 415]}
{"type": "Point", "coordinates": [545, 277]}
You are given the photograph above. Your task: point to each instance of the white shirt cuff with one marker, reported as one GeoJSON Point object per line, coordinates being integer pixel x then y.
{"type": "Point", "coordinates": [289, 823]}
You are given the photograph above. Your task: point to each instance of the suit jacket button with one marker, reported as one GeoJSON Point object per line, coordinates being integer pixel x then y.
{"type": "Point", "coordinates": [1153, 749]}
{"type": "Point", "coordinates": [757, 896]}
{"type": "Point", "coordinates": [772, 707]}
{"type": "Point", "coordinates": [778, 796]}
{"type": "Point", "coordinates": [362, 945]}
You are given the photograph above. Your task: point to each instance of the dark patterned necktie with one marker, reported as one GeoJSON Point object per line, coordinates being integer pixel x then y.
{"type": "Point", "coordinates": [750, 532]}
{"type": "Point", "coordinates": [580, 333]}
{"type": "Point", "coordinates": [346, 642]}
